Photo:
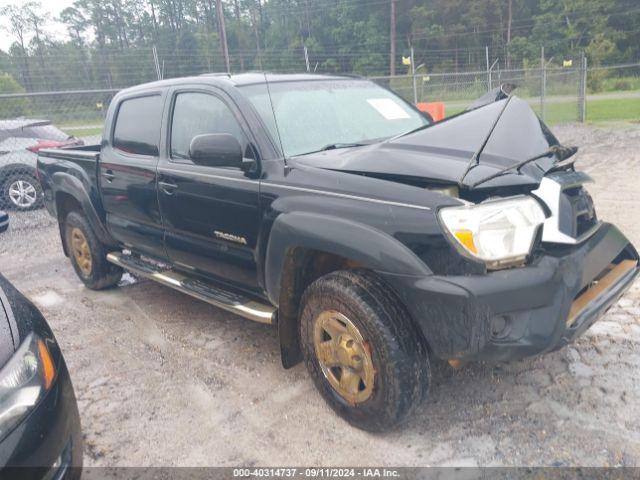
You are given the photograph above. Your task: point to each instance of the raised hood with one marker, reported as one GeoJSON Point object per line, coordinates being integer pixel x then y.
{"type": "Point", "coordinates": [463, 150]}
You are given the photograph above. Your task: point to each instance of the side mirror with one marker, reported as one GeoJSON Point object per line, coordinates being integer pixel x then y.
{"type": "Point", "coordinates": [216, 150]}
{"type": "Point", "coordinates": [4, 221]}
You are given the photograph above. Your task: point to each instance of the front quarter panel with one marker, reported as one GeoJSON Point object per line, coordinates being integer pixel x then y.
{"type": "Point", "coordinates": [355, 241]}
{"type": "Point", "coordinates": [361, 219]}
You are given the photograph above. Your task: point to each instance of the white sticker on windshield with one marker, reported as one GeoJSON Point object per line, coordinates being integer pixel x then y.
{"type": "Point", "coordinates": [388, 108]}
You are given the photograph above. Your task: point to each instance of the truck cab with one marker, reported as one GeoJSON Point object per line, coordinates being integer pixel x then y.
{"type": "Point", "coordinates": [373, 239]}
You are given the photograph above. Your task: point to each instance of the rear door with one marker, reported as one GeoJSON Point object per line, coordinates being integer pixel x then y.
{"type": "Point", "coordinates": [128, 168]}
{"type": "Point", "coordinates": [210, 214]}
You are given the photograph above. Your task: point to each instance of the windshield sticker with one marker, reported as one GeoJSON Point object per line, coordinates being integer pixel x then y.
{"type": "Point", "coordinates": [388, 108]}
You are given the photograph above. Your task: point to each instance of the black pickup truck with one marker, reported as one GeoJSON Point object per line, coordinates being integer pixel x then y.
{"type": "Point", "coordinates": [374, 239]}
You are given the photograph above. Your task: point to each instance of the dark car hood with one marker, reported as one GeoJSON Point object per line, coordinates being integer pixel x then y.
{"type": "Point", "coordinates": [18, 319]}
{"type": "Point", "coordinates": [506, 132]}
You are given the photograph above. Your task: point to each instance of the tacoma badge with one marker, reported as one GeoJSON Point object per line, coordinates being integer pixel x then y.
{"type": "Point", "coordinates": [230, 237]}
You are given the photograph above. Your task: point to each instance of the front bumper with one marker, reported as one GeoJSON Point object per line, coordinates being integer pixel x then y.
{"type": "Point", "coordinates": [515, 313]}
{"type": "Point", "coordinates": [48, 443]}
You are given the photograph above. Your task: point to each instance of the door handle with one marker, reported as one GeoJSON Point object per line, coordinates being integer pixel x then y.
{"type": "Point", "coordinates": [108, 175]}
{"type": "Point", "coordinates": [167, 187]}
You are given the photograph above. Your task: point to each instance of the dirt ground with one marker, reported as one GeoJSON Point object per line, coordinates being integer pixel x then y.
{"type": "Point", "coordinates": [163, 379]}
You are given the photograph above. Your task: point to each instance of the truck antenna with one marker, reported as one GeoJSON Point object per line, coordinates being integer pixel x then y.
{"type": "Point", "coordinates": [275, 119]}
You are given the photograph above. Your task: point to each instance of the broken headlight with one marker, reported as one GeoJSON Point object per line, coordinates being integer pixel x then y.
{"type": "Point", "coordinates": [498, 232]}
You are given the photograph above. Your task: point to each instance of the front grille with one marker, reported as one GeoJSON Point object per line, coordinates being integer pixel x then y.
{"type": "Point", "coordinates": [577, 212]}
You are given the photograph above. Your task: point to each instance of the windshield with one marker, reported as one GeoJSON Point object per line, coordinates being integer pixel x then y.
{"type": "Point", "coordinates": [309, 116]}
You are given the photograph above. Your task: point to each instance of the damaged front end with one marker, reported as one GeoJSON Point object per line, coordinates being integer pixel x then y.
{"type": "Point", "coordinates": [520, 263]}
{"type": "Point", "coordinates": [498, 147]}
{"type": "Point", "coordinates": [500, 160]}
{"type": "Point", "coordinates": [525, 206]}
{"type": "Point", "coordinates": [518, 312]}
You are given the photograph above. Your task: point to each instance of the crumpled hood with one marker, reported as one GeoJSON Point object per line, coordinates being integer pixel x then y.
{"type": "Point", "coordinates": [506, 132]}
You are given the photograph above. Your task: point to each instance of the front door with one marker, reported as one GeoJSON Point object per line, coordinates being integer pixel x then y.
{"type": "Point", "coordinates": [128, 163]}
{"type": "Point", "coordinates": [210, 214]}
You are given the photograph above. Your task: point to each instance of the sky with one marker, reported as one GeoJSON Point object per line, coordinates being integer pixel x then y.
{"type": "Point", "coordinates": [55, 29]}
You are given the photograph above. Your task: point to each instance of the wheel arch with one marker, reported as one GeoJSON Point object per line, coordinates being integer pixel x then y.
{"type": "Point", "coordinates": [11, 168]}
{"type": "Point", "coordinates": [304, 247]}
{"type": "Point", "coordinates": [70, 195]}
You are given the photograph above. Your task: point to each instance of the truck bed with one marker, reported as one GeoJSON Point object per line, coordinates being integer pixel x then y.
{"type": "Point", "coordinates": [86, 152]}
{"type": "Point", "coordinates": [79, 165]}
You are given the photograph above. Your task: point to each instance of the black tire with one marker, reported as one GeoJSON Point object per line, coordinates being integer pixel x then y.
{"type": "Point", "coordinates": [101, 274]}
{"type": "Point", "coordinates": [30, 183]}
{"type": "Point", "coordinates": [396, 347]}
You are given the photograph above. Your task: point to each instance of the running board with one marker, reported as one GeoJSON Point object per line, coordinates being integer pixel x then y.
{"type": "Point", "coordinates": [232, 302]}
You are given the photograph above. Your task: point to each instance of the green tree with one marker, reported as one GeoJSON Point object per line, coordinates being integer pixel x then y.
{"type": "Point", "coordinates": [13, 107]}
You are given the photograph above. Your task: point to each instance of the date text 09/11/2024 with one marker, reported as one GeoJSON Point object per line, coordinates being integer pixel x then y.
{"type": "Point", "coordinates": [317, 472]}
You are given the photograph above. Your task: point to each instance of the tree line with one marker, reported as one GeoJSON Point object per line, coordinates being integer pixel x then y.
{"type": "Point", "coordinates": [116, 43]}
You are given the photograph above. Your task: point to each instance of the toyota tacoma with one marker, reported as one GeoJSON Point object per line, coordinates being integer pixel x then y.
{"type": "Point", "coordinates": [374, 239]}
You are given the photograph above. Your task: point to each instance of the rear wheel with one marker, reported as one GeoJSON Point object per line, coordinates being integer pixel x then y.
{"type": "Point", "coordinates": [22, 191]}
{"type": "Point", "coordinates": [88, 255]}
{"type": "Point", "coordinates": [362, 350]}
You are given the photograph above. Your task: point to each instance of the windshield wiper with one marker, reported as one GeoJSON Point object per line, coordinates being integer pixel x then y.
{"type": "Point", "coordinates": [561, 152]}
{"type": "Point", "coordinates": [475, 158]}
{"type": "Point", "coordinates": [334, 146]}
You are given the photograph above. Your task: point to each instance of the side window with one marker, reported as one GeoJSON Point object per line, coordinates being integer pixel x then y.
{"type": "Point", "coordinates": [137, 127]}
{"type": "Point", "coordinates": [196, 113]}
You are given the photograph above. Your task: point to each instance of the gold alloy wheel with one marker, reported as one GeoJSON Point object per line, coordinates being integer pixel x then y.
{"type": "Point", "coordinates": [81, 251]}
{"type": "Point", "coordinates": [344, 356]}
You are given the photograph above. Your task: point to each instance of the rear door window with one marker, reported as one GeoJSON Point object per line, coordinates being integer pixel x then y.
{"type": "Point", "coordinates": [137, 129]}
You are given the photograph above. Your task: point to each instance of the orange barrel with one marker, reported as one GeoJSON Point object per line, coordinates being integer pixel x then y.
{"type": "Point", "coordinates": [435, 109]}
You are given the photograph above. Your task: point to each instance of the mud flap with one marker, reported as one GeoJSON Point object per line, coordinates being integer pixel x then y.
{"type": "Point", "coordinates": [290, 352]}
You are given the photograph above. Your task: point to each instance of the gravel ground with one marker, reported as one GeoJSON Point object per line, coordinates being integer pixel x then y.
{"type": "Point", "coordinates": [162, 379]}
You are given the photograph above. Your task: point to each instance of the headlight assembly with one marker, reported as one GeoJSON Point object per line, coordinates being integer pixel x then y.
{"type": "Point", "coordinates": [24, 380]}
{"type": "Point", "coordinates": [499, 232]}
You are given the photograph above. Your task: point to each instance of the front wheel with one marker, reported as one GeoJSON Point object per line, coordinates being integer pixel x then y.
{"type": "Point", "coordinates": [88, 255]}
{"type": "Point", "coordinates": [364, 353]}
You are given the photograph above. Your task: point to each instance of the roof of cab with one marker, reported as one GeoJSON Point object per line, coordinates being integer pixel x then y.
{"type": "Point", "coordinates": [241, 79]}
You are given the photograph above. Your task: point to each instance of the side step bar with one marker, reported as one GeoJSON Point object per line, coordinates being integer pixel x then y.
{"type": "Point", "coordinates": [232, 302]}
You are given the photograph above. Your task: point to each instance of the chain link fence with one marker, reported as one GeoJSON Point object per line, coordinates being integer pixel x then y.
{"type": "Point", "coordinates": [28, 123]}
{"type": "Point", "coordinates": [554, 93]}
{"type": "Point", "coordinates": [31, 121]}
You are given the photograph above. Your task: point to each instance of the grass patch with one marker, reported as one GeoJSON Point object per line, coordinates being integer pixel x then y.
{"type": "Point", "coordinates": [82, 132]}
{"type": "Point", "coordinates": [627, 109]}
{"type": "Point", "coordinates": [565, 112]}
{"type": "Point", "coordinates": [598, 111]}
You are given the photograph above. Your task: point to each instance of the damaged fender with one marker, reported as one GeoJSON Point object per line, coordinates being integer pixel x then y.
{"type": "Point", "coordinates": [330, 235]}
